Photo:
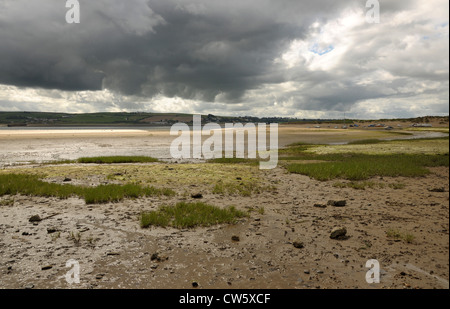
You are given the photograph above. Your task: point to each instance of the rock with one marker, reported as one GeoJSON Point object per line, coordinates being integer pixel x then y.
{"type": "Point", "coordinates": [158, 258]}
{"type": "Point", "coordinates": [442, 189]}
{"type": "Point", "coordinates": [35, 218]}
{"type": "Point", "coordinates": [197, 195]}
{"type": "Point", "coordinates": [337, 203]}
{"type": "Point", "coordinates": [320, 205]}
{"type": "Point", "coordinates": [298, 244]}
{"type": "Point", "coordinates": [67, 179]}
{"type": "Point", "coordinates": [99, 276]}
{"type": "Point", "coordinates": [47, 267]}
{"type": "Point", "coordinates": [52, 230]}
{"type": "Point", "coordinates": [29, 286]}
{"type": "Point", "coordinates": [307, 272]}
{"type": "Point", "coordinates": [194, 284]}
{"type": "Point", "coordinates": [338, 233]}
{"type": "Point", "coordinates": [112, 253]}
{"type": "Point", "coordinates": [235, 238]}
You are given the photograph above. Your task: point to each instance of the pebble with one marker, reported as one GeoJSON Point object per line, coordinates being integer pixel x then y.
{"type": "Point", "coordinates": [35, 218]}
{"type": "Point", "coordinates": [337, 203]}
{"type": "Point", "coordinates": [298, 244]}
{"type": "Point", "coordinates": [338, 233]}
{"type": "Point", "coordinates": [197, 196]}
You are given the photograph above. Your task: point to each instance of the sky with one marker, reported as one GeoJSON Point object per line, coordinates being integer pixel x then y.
{"type": "Point", "coordinates": [285, 58]}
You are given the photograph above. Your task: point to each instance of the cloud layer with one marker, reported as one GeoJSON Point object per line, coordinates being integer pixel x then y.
{"type": "Point", "coordinates": [254, 57]}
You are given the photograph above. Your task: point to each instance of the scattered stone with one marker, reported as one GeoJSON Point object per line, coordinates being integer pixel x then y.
{"type": "Point", "coordinates": [52, 230]}
{"type": "Point", "coordinates": [319, 271]}
{"type": "Point", "coordinates": [235, 238]}
{"type": "Point", "coordinates": [158, 258]}
{"type": "Point", "coordinates": [112, 253]}
{"type": "Point", "coordinates": [29, 286]}
{"type": "Point", "coordinates": [47, 267]}
{"type": "Point", "coordinates": [197, 195]}
{"type": "Point", "coordinates": [67, 179]}
{"type": "Point", "coordinates": [26, 234]}
{"type": "Point", "coordinates": [320, 205]}
{"type": "Point", "coordinates": [298, 244]}
{"type": "Point", "coordinates": [99, 276]}
{"type": "Point", "coordinates": [338, 233]}
{"type": "Point", "coordinates": [35, 218]}
{"type": "Point", "coordinates": [337, 203]}
{"type": "Point", "coordinates": [306, 272]}
{"type": "Point", "coordinates": [195, 284]}
{"type": "Point", "coordinates": [442, 189]}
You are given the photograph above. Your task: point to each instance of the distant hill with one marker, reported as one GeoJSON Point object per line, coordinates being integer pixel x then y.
{"type": "Point", "coordinates": [37, 119]}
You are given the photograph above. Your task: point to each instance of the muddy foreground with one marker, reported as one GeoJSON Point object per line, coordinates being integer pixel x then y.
{"type": "Point", "coordinates": [258, 252]}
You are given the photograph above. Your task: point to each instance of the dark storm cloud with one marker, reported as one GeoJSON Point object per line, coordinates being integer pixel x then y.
{"type": "Point", "coordinates": [191, 49]}
{"type": "Point", "coordinates": [212, 52]}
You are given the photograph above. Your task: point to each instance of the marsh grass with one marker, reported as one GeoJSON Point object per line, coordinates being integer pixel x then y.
{"type": "Point", "coordinates": [363, 185]}
{"type": "Point", "coordinates": [31, 185]}
{"type": "Point", "coordinates": [241, 188]}
{"type": "Point", "coordinates": [116, 160]}
{"type": "Point", "coordinates": [234, 161]}
{"type": "Point", "coordinates": [358, 167]}
{"type": "Point", "coordinates": [396, 234]}
{"type": "Point", "coordinates": [190, 215]}
{"type": "Point", "coordinates": [366, 142]}
{"type": "Point", "coordinates": [7, 202]}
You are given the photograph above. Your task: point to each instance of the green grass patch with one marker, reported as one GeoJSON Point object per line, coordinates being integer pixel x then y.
{"type": "Point", "coordinates": [366, 142]}
{"type": "Point", "coordinates": [190, 215]}
{"type": "Point", "coordinates": [117, 160]}
{"type": "Point", "coordinates": [7, 202]}
{"type": "Point", "coordinates": [363, 185]}
{"type": "Point", "coordinates": [398, 235]}
{"type": "Point", "coordinates": [358, 167]}
{"type": "Point", "coordinates": [31, 185]}
{"type": "Point", "coordinates": [234, 161]}
{"type": "Point", "coordinates": [239, 188]}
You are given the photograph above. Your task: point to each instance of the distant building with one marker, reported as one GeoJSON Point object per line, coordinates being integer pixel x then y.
{"type": "Point", "coordinates": [422, 125]}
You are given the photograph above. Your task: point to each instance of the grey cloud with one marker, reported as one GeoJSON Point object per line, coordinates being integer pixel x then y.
{"type": "Point", "coordinates": [207, 51]}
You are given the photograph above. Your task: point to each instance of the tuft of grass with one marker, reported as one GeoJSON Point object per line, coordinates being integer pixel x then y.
{"type": "Point", "coordinates": [7, 202]}
{"type": "Point", "coordinates": [234, 161]}
{"type": "Point", "coordinates": [13, 184]}
{"type": "Point", "coordinates": [366, 142]}
{"type": "Point", "coordinates": [75, 237]}
{"type": "Point", "coordinates": [397, 186]}
{"type": "Point", "coordinates": [117, 160]}
{"type": "Point", "coordinates": [190, 215]}
{"type": "Point", "coordinates": [362, 185]}
{"type": "Point", "coordinates": [359, 185]}
{"type": "Point", "coordinates": [396, 234]}
{"type": "Point", "coordinates": [242, 188]}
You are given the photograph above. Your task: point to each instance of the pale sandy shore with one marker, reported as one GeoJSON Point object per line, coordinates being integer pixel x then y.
{"type": "Point", "coordinates": [19, 146]}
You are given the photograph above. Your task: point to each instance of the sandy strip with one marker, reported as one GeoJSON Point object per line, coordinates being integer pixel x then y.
{"type": "Point", "coordinates": [39, 133]}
